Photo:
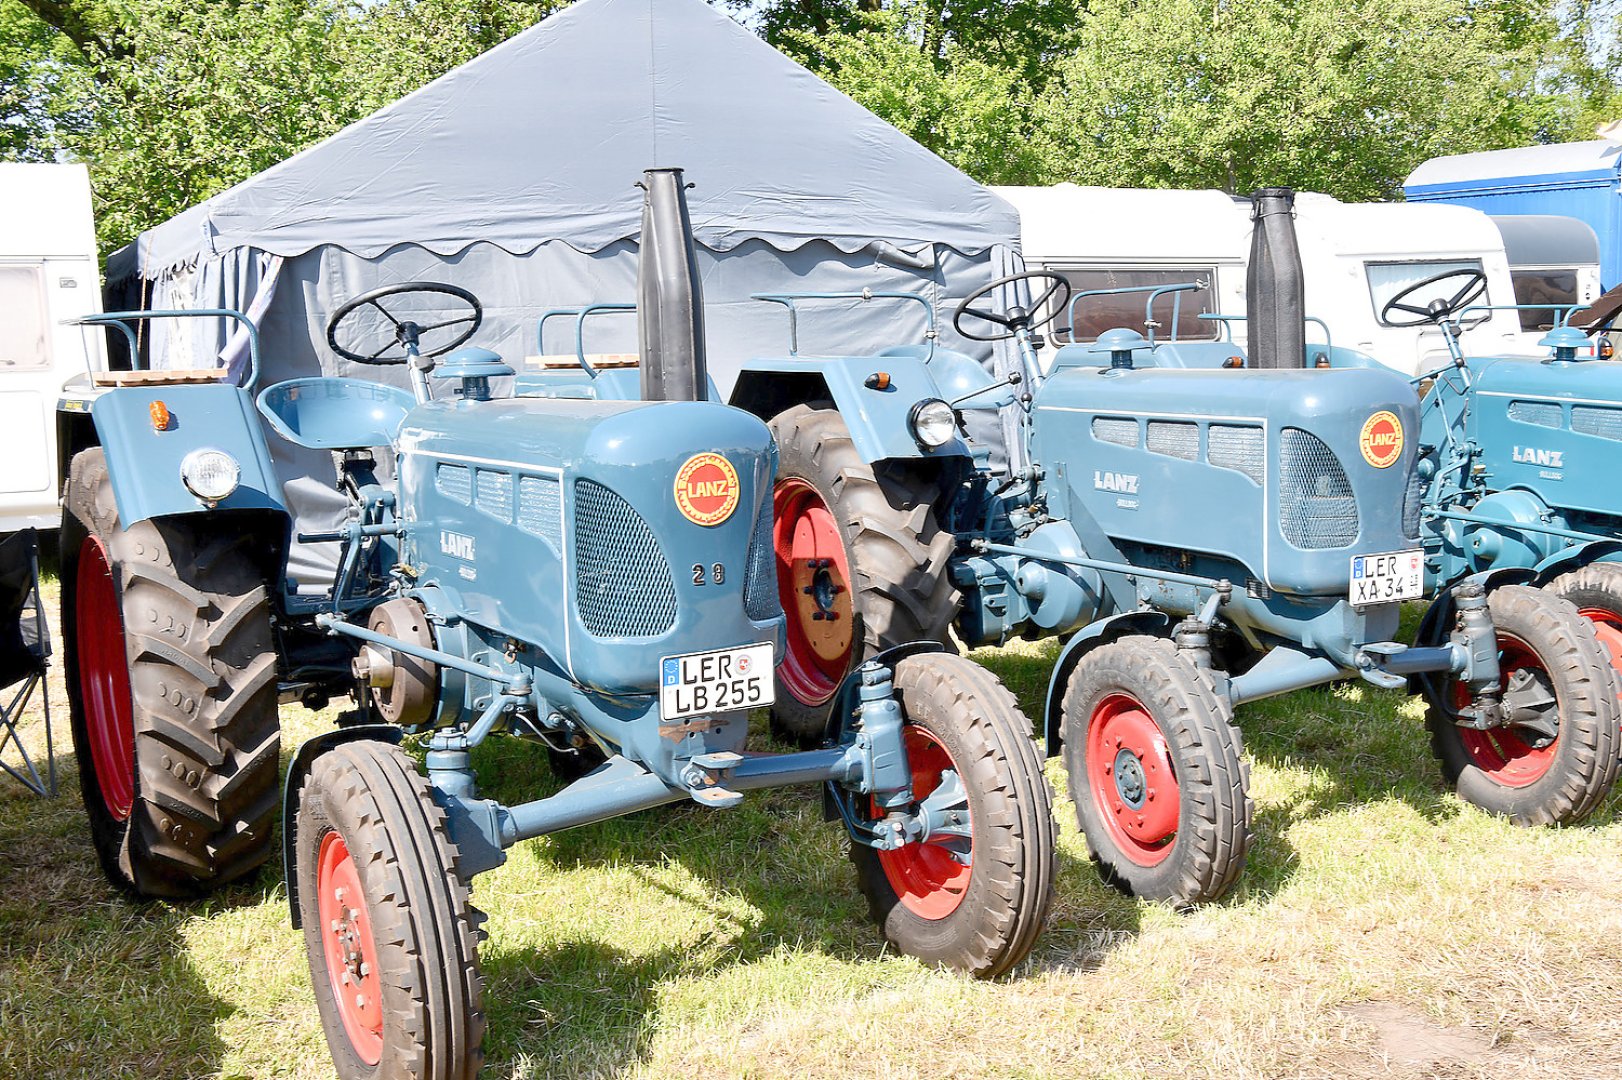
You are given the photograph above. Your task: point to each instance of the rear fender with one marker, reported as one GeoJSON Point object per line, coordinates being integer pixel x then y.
{"type": "Point", "coordinates": [1576, 557]}
{"type": "Point", "coordinates": [143, 460]}
{"type": "Point", "coordinates": [1089, 637]}
{"type": "Point", "coordinates": [875, 408]}
{"type": "Point", "coordinates": [296, 772]}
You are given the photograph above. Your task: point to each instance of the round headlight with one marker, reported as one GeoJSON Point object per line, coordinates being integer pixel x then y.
{"type": "Point", "coordinates": [211, 475]}
{"type": "Point", "coordinates": [933, 423]}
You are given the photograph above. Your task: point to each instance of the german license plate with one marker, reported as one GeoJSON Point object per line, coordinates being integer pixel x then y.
{"type": "Point", "coordinates": [1384, 579]}
{"type": "Point", "coordinates": [724, 680]}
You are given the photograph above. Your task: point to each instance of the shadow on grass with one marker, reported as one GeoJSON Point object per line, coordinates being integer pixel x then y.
{"type": "Point", "coordinates": [92, 983]}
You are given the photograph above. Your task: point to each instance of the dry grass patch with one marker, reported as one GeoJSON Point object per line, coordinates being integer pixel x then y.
{"type": "Point", "coordinates": [1383, 930]}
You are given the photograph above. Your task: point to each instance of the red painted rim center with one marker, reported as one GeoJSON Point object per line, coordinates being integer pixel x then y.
{"type": "Point", "coordinates": [929, 879]}
{"type": "Point", "coordinates": [813, 583]}
{"type": "Point", "coordinates": [1501, 753]}
{"type": "Point", "coordinates": [346, 939]}
{"type": "Point", "coordinates": [1133, 781]}
{"type": "Point", "coordinates": [104, 679]}
{"type": "Point", "coordinates": [1608, 628]}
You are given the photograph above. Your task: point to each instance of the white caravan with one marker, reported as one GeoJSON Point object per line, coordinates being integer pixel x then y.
{"type": "Point", "coordinates": [48, 273]}
{"type": "Point", "coordinates": [1552, 259]}
{"type": "Point", "coordinates": [1356, 257]}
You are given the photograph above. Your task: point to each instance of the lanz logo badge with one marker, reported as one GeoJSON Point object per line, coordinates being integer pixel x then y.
{"type": "Point", "coordinates": [1126, 483]}
{"type": "Point", "coordinates": [1532, 455]}
{"type": "Point", "coordinates": [455, 544]}
{"type": "Point", "coordinates": [707, 489]}
{"type": "Point", "coordinates": [1381, 440]}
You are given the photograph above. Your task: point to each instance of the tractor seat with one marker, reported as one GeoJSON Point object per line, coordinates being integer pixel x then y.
{"type": "Point", "coordinates": [324, 413]}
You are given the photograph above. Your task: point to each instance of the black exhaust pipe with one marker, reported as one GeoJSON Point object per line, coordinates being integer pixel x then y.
{"type": "Point", "coordinates": [1275, 289]}
{"type": "Point", "coordinates": [669, 306]}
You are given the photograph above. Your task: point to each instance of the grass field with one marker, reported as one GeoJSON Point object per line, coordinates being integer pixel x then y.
{"type": "Point", "coordinates": [1383, 929]}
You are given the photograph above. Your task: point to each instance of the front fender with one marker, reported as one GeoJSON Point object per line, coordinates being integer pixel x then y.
{"type": "Point", "coordinates": [293, 789]}
{"type": "Point", "coordinates": [1089, 637]}
{"type": "Point", "coordinates": [877, 417]}
{"type": "Point", "coordinates": [143, 461]}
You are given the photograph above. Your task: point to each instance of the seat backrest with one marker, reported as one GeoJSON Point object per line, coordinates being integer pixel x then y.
{"type": "Point", "coordinates": [25, 641]}
{"type": "Point", "coordinates": [326, 413]}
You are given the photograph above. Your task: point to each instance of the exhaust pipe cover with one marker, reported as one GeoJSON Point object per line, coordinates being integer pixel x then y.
{"type": "Point", "coordinates": [1275, 286]}
{"type": "Point", "coordinates": [670, 306]}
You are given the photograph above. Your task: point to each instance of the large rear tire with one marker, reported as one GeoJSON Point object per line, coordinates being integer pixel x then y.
{"type": "Point", "coordinates": [975, 904]}
{"type": "Point", "coordinates": [862, 563]}
{"type": "Point", "coordinates": [1596, 590]}
{"type": "Point", "coordinates": [389, 927]}
{"type": "Point", "coordinates": [1544, 648]}
{"type": "Point", "coordinates": [1156, 773]}
{"type": "Point", "coordinates": [171, 678]}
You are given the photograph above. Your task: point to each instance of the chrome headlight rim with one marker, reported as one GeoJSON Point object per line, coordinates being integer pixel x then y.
{"type": "Point", "coordinates": [932, 423]}
{"type": "Point", "coordinates": [210, 474]}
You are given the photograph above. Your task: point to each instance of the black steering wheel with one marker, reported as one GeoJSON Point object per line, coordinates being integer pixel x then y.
{"type": "Point", "coordinates": [1475, 283]}
{"type": "Point", "coordinates": [407, 334]}
{"type": "Point", "coordinates": [1015, 318]}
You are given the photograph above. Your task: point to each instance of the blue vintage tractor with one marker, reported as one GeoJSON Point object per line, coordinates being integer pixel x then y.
{"type": "Point", "coordinates": [1202, 539]}
{"type": "Point", "coordinates": [572, 572]}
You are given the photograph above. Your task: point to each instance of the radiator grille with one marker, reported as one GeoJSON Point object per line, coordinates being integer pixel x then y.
{"type": "Point", "coordinates": [1175, 438]}
{"type": "Point", "coordinates": [1541, 413]}
{"type": "Point", "coordinates": [540, 509]}
{"type": "Point", "coordinates": [760, 600]}
{"type": "Point", "coordinates": [623, 584]}
{"type": "Point", "coordinates": [1242, 448]}
{"type": "Point", "coordinates": [1115, 430]}
{"type": "Point", "coordinates": [455, 482]}
{"type": "Point", "coordinates": [1596, 420]}
{"type": "Point", "coordinates": [496, 494]}
{"type": "Point", "coordinates": [1316, 506]}
{"type": "Point", "coordinates": [1411, 505]}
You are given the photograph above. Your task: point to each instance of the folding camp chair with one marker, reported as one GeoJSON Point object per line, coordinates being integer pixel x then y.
{"type": "Point", "coordinates": [25, 650]}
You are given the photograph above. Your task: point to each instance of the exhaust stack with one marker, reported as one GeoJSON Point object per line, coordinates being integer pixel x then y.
{"type": "Point", "coordinates": [1275, 290]}
{"type": "Point", "coordinates": [669, 307]}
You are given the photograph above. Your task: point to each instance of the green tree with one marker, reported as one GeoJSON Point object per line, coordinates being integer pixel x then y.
{"type": "Point", "coordinates": [43, 86]}
{"type": "Point", "coordinates": [1341, 96]}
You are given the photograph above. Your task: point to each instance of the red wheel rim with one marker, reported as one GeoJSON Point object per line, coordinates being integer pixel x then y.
{"type": "Point", "coordinates": [1502, 754]}
{"type": "Point", "coordinates": [1608, 628]}
{"type": "Point", "coordinates": [813, 583]}
{"type": "Point", "coordinates": [1133, 781]}
{"type": "Point", "coordinates": [346, 939]}
{"type": "Point", "coordinates": [104, 679]}
{"type": "Point", "coordinates": [929, 879]}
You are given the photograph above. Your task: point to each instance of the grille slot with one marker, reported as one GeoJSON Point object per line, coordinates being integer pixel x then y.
{"type": "Point", "coordinates": [1541, 413]}
{"type": "Point", "coordinates": [1596, 420]}
{"type": "Point", "coordinates": [496, 494]}
{"type": "Point", "coordinates": [1411, 504]}
{"type": "Point", "coordinates": [623, 585]}
{"type": "Point", "coordinates": [760, 600]}
{"type": "Point", "coordinates": [1175, 438]}
{"type": "Point", "coordinates": [455, 482]}
{"type": "Point", "coordinates": [540, 509]}
{"type": "Point", "coordinates": [1241, 447]}
{"type": "Point", "coordinates": [1115, 430]}
{"type": "Point", "coordinates": [1317, 508]}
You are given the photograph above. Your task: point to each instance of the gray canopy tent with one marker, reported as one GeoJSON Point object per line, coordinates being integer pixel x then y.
{"type": "Point", "coordinates": [513, 175]}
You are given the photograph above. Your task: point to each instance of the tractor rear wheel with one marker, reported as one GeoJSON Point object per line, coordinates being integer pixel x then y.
{"type": "Point", "coordinates": [1156, 773]}
{"type": "Point", "coordinates": [861, 563]}
{"type": "Point", "coordinates": [171, 678]}
{"type": "Point", "coordinates": [1596, 589]}
{"type": "Point", "coordinates": [389, 927]}
{"type": "Point", "coordinates": [1558, 767]}
{"type": "Point", "coordinates": [974, 903]}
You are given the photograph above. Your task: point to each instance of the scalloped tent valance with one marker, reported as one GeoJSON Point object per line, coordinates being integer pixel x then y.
{"type": "Point", "coordinates": [541, 138]}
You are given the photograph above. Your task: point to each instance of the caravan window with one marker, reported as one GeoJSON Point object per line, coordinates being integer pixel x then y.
{"type": "Point", "coordinates": [1095, 314]}
{"type": "Point", "coordinates": [1543, 287]}
{"type": "Point", "coordinates": [25, 343]}
{"type": "Point", "coordinates": [1388, 279]}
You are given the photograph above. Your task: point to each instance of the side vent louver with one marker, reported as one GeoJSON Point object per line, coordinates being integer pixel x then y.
{"type": "Point", "coordinates": [540, 509]}
{"type": "Point", "coordinates": [496, 494]}
{"type": "Point", "coordinates": [1541, 413]}
{"type": "Point", "coordinates": [1596, 420]}
{"type": "Point", "coordinates": [1240, 447]}
{"type": "Point", "coordinates": [1115, 430]}
{"type": "Point", "coordinates": [455, 482]}
{"type": "Point", "coordinates": [760, 601]}
{"type": "Point", "coordinates": [1175, 438]}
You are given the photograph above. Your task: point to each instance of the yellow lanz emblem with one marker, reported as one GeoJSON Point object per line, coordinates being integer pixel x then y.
{"type": "Point", "coordinates": [707, 489]}
{"type": "Point", "coordinates": [1381, 440]}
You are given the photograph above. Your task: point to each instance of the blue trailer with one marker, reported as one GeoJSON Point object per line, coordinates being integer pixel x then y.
{"type": "Point", "coordinates": [1579, 180]}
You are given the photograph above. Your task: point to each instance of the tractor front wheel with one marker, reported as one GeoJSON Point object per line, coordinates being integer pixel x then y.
{"type": "Point", "coordinates": [389, 926]}
{"type": "Point", "coordinates": [975, 902]}
{"type": "Point", "coordinates": [861, 563]}
{"type": "Point", "coordinates": [1596, 590]}
{"type": "Point", "coordinates": [1557, 764]}
{"type": "Point", "coordinates": [171, 678]}
{"type": "Point", "coordinates": [1156, 773]}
